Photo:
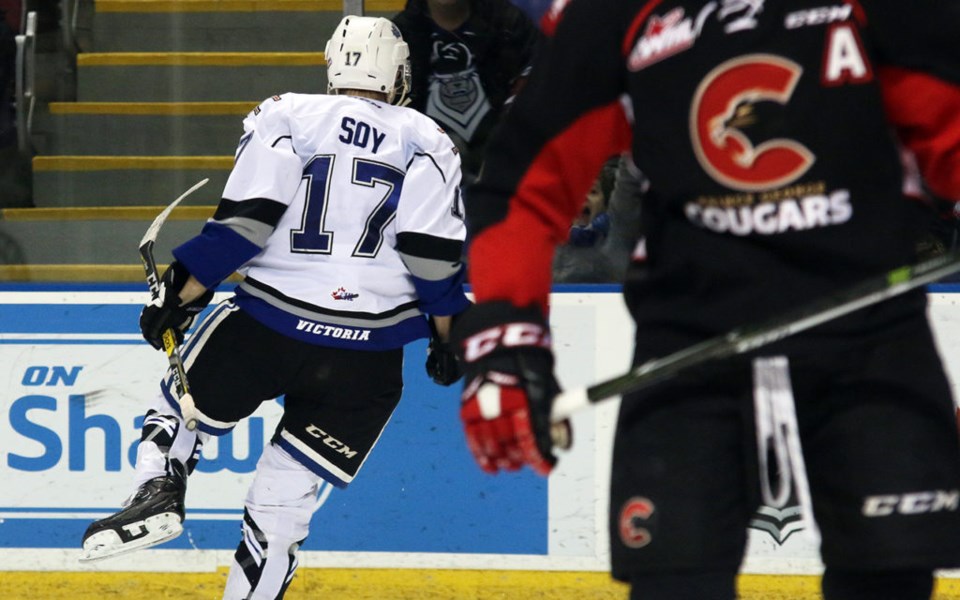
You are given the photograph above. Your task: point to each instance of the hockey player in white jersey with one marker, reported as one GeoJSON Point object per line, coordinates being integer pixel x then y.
{"type": "Point", "coordinates": [343, 215]}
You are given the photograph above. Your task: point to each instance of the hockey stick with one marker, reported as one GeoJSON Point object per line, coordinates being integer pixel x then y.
{"type": "Point", "coordinates": [187, 408]}
{"type": "Point", "coordinates": [746, 339]}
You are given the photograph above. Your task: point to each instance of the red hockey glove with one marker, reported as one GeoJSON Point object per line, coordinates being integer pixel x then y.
{"type": "Point", "coordinates": [510, 386]}
{"type": "Point", "coordinates": [166, 312]}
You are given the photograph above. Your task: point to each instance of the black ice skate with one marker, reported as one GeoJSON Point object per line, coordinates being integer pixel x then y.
{"type": "Point", "coordinates": [152, 516]}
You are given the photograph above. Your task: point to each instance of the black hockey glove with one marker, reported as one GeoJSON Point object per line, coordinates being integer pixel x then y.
{"type": "Point", "coordinates": [509, 388]}
{"type": "Point", "coordinates": [165, 312]}
{"type": "Point", "coordinates": [443, 366]}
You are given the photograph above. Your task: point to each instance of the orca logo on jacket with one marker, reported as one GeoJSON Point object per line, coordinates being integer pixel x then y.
{"type": "Point", "coordinates": [731, 124]}
{"type": "Point", "coordinates": [634, 523]}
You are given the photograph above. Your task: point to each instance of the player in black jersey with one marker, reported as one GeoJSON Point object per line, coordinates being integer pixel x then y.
{"type": "Point", "coordinates": [789, 147]}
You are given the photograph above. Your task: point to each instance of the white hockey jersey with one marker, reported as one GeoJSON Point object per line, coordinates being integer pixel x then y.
{"type": "Point", "coordinates": [344, 216]}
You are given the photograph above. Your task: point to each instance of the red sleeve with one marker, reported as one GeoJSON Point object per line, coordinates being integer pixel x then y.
{"type": "Point", "coordinates": [551, 18]}
{"type": "Point", "coordinates": [925, 112]}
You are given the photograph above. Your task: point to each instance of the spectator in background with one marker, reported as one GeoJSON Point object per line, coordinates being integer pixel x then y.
{"type": "Point", "coordinates": [623, 213]}
{"type": "Point", "coordinates": [940, 223]}
{"type": "Point", "coordinates": [468, 58]}
{"type": "Point", "coordinates": [535, 9]}
{"type": "Point", "coordinates": [10, 14]}
{"type": "Point", "coordinates": [582, 258]}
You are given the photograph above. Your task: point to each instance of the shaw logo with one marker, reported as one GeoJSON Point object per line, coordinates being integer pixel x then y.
{"type": "Point", "coordinates": [47, 433]}
{"type": "Point", "coordinates": [912, 503]}
{"type": "Point", "coordinates": [50, 376]}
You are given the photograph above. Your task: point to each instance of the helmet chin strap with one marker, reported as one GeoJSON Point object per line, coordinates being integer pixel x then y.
{"type": "Point", "coordinates": [401, 86]}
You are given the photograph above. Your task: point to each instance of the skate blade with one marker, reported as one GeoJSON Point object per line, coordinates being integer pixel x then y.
{"type": "Point", "coordinates": [107, 543]}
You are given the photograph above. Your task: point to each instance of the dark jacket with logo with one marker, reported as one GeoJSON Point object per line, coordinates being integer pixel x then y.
{"type": "Point", "coordinates": [502, 41]}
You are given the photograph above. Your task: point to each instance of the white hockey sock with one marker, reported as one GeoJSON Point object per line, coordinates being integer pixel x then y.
{"type": "Point", "coordinates": [279, 505]}
{"type": "Point", "coordinates": [165, 438]}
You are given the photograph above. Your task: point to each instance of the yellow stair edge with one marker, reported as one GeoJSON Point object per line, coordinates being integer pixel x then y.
{"type": "Point", "coordinates": [123, 163]}
{"type": "Point", "coordinates": [79, 273]}
{"type": "Point", "coordinates": [71, 273]}
{"type": "Point", "coordinates": [106, 213]}
{"type": "Point", "coordinates": [185, 6]}
{"type": "Point", "coordinates": [153, 108]}
{"type": "Point", "coordinates": [200, 59]}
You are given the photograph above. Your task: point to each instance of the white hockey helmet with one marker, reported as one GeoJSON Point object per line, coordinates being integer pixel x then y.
{"type": "Point", "coordinates": [368, 53]}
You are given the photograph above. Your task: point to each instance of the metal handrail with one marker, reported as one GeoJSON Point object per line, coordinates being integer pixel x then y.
{"type": "Point", "coordinates": [352, 7]}
{"type": "Point", "coordinates": [69, 12]}
{"type": "Point", "coordinates": [26, 68]}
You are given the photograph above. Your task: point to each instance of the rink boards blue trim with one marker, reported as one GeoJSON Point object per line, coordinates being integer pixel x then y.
{"type": "Point", "coordinates": [70, 318]}
{"type": "Point", "coordinates": [419, 491]}
{"type": "Point", "coordinates": [593, 288]}
{"type": "Point", "coordinates": [588, 288]}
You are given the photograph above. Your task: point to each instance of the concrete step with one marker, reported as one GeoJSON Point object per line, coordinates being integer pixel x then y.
{"type": "Point", "coordinates": [85, 273]}
{"type": "Point", "coordinates": [140, 128]}
{"type": "Point", "coordinates": [79, 273]}
{"type": "Point", "coordinates": [89, 181]}
{"type": "Point", "coordinates": [92, 236]}
{"type": "Point", "coordinates": [222, 25]}
{"type": "Point", "coordinates": [197, 76]}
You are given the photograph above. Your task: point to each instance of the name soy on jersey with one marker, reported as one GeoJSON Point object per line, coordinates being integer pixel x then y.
{"type": "Point", "coordinates": [343, 215]}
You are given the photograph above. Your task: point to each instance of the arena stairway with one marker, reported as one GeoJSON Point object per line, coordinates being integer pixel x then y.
{"type": "Point", "coordinates": [162, 88]}
{"type": "Point", "coordinates": [95, 244]}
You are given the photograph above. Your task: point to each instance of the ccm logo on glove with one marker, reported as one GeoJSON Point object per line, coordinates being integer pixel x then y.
{"type": "Point", "coordinates": [510, 335]}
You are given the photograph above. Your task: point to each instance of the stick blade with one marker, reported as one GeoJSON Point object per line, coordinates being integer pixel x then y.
{"type": "Point", "coordinates": [154, 229]}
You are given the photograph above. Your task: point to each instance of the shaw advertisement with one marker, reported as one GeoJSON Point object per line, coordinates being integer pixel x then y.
{"type": "Point", "coordinates": [76, 378]}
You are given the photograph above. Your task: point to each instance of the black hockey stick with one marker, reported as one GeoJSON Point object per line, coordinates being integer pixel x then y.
{"type": "Point", "coordinates": [746, 339]}
{"type": "Point", "coordinates": [187, 408]}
